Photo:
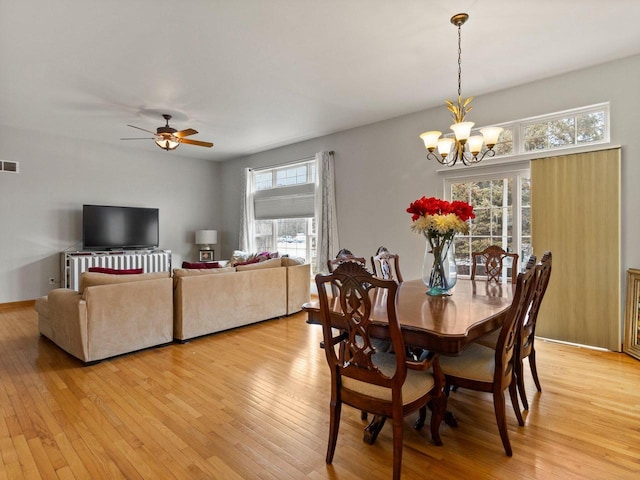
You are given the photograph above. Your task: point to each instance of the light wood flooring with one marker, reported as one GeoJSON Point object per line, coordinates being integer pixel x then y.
{"type": "Point", "coordinates": [252, 403]}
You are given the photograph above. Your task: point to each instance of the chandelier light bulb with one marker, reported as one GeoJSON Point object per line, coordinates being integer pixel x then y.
{"type": "Point", "coordinates": [445, 145]}
{"type": "Point", "coordinates": [475, 143]}
{"type": "Point", "coordinates": [491, 135]}
{"type": "Point", "coordinates": [462, 130]}
{"type": "Point", "coordinates": [430, 139]}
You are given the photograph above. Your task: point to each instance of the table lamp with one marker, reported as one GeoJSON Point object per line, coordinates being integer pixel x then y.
{"type": "Point", "coordinates": [206, 238]}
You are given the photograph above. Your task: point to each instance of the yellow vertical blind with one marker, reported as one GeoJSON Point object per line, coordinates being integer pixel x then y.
{"type": "Point", "coordinates": [575, 213]}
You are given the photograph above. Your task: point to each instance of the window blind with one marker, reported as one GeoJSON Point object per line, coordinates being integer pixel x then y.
{"type": "Point", "coordinates": [296, 201]}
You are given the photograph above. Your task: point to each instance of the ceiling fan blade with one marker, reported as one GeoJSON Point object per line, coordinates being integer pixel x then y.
{"type": "Point", "coordinates": [138, 138]}
{"type": "Point", "coordinates": [185, 133]}
{"type": "Point", "coordinates": [196, 142]}
{"type": "Point", "coordinates": [148, 131]}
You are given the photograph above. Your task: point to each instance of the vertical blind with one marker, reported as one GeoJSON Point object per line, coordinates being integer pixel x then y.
{"type": "Point", "coordinates": [575, 213]}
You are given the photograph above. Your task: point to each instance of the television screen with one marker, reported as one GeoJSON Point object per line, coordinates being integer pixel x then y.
{"type": "Point", "coordinates": [107, 227]}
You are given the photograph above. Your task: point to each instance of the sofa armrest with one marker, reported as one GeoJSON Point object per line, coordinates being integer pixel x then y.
{"type": "Point", "coordinates": [125, 317]}
{"type": "Point", "coordinates": [68, 322]}
{"type": "Point", "coordinates": [298, 287]}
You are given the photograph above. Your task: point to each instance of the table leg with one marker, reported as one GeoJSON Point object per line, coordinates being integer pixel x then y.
{"type": "Point", "coordinates": [373, 429]}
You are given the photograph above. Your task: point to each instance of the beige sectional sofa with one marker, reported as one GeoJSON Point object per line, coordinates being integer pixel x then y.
{"type": "Point", "coordinates": [116, 314]}
{"type": "Point", "coordinates": [212, 300]}
{"type": "Point", "coordinates": [110, 315]}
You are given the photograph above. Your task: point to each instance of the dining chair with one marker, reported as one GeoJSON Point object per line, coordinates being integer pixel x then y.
{"type": "Point", "coordinates": [490, 339]}
{"type": "Point", "coordinates": [484, 369]}
{"type": "Point", "coordinates": [344, 255]}
{"type": "Point", "coordinates": [526, 339]}
{"type": "Point", "coordinates": [385, 384]}
{"type": "Point", "coordinates": [492, 259]}
{"type": "Point", "coordinates": [386, 265]}
{"type": "Point", "coordinates": [526, 343]}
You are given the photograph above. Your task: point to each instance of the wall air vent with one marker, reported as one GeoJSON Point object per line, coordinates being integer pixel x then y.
{"type": "Point", "coordinates": [6, 166]}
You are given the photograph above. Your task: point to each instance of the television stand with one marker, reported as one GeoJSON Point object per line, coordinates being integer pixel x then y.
{"type": "Point", "coordinates": [74, 263]}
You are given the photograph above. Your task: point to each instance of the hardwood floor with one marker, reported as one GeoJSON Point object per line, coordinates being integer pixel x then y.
{"type": "Point", "coordinates": [252, 403]}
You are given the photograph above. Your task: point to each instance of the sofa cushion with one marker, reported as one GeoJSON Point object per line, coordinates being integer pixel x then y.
{"type": "Point", "coordinates": [115, 271]}
{"type": "Point", "coordinates": [189, 272]}
{"type": "Point", "coordinates": [247, 262]}
{"type": "Point", "coordinates": [292, 261]}
{"type": "Point", "coordinates": [238, 257]}
{"type": "Point", "coordinates": [200, 265]}
{"type": "Point", "coordinates": [272, 263]}
{"type": "Point", "coordinates": [193, 272]}
{"type": "Point", "coordinates": [92, 279]}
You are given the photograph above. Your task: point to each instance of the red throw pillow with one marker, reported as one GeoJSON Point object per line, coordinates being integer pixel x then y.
{"type": "Point", "coordinates": [248, 262]}
{"type": "Point", "coordinates": [115, 271]}
{"type": "Point", "coordinates": [200, 265]}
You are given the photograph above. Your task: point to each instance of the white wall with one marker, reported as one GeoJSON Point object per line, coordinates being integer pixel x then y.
{"type": "Point", "coordinates": [41, 207]}
{"type": "Point", "coordinates": [381, 167]}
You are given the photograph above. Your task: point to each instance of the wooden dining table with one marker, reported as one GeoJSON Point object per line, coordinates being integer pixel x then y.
{"type": "Point", "coordinates": [442, 324]}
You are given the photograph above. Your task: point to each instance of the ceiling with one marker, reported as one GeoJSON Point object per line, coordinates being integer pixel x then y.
{"type": "Point", "coordinates": [251, 75]}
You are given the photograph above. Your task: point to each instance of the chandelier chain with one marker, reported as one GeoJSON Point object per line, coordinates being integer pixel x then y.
{"type": "Point", "coordinates": [459, 61]}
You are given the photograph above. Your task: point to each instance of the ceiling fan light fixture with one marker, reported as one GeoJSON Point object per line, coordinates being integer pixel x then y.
{"type": "Point", "coordinates": [166, 141]}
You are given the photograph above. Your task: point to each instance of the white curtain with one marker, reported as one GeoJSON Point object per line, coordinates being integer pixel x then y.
{"type": "Point", "coordinates": [325, 211]}
{"type": "Point", "coordinates": [247, 219]}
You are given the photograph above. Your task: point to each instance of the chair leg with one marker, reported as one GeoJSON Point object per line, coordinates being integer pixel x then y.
{"type": "Point", "coordinates": [519, 375]}
{"type": "Point", "coordinates": [534, 369]}
{"type": "Point", "coordinates": [334, 424]}
{"type": "Point", "coordinates": [501, 420]}
{"type": "Point", "coordinates": [421, 418]}
{"type": "Point", "coordinates": [438, 409]}
{"type": "Point", "coordinates": [398, 431]}
{"type": "Point", "coordinates": [513, 392]}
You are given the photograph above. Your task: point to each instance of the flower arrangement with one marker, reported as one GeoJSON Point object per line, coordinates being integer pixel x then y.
{"type": "Point", "coordinates": [432, 216]}
{"type": "Point", "coordinates": [439, 221]}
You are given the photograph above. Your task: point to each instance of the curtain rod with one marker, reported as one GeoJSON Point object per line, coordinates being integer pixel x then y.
{"type": "Point", "coordinates": [284, 164]}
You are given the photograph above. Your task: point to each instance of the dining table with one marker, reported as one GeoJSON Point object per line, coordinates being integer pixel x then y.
{"type": "Point", "coordinates": [443, 324]}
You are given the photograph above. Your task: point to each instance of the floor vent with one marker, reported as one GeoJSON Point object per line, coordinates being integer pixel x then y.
{"type": "Point", "coordinates": [6, 166]}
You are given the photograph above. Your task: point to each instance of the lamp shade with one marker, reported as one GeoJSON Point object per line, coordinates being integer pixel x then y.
{"type": "Point", "coordinates": [475, 143]}
{"type": "Point", "coordinates": [166, 141]}
{"type": "Point", "coordinates": [430, 139]}
{"type": "Point", "coordinates": [491, 135]}
{"type": "Point", "coordinates": [462, 130]}
{"type": "Point", "coordinates": [206, 237]}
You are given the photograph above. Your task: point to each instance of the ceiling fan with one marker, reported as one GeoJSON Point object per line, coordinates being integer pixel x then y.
{"type": "Point", "coordinates": [168, 138]}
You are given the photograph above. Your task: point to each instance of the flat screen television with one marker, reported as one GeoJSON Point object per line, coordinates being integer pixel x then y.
{"type": "Point", "coordinates": [106, 227]}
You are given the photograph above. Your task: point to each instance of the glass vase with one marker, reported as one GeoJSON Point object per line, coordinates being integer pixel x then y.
{"type": "Point", "coordinates": [439, 271]}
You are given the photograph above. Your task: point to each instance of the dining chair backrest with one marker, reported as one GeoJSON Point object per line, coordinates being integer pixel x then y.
{"type": "Point", "coordinates": [531, 262]}
{"type": "Point", "coordinates": [493, 261]}
{"type": "Point", "coordinates": [526, 348]}
{"type": "Point", "coordinates": [344, 255]}
{"type": "Point", "coordinates": [506, 351]}
{"type": "Point", "coordinates": [386, 265]}
{"type": "Point", "coordinates": [529, 326]}
{"type": "Point", "coordinates": [354, 303]}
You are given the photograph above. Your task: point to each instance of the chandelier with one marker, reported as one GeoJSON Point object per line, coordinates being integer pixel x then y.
{"type": "Point", "coordinates": [464, 147]}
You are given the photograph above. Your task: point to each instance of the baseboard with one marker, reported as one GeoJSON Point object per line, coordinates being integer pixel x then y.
{"type": "Point", "coordinates": [12, 305]}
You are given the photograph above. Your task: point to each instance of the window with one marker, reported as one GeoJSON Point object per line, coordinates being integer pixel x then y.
{"type": "Point", "coordinates": [572, 128]}
{"type": "Point", "coordinates": [502, 206]}
{"type": "Point", "coordinates": [284, 204]}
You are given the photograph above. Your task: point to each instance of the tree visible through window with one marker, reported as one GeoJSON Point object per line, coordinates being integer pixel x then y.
{"type": "Point", "coordinates": [503, 216]}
